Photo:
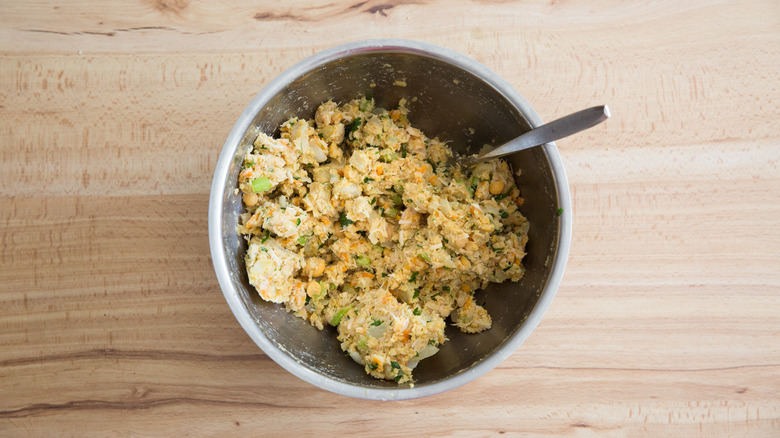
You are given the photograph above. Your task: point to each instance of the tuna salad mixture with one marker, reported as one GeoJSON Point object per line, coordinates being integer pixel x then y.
{"type": "Point", "coordinates": [356, 219]}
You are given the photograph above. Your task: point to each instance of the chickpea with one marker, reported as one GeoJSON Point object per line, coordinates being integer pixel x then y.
{"type": "Point", "coordinates": [250, 199]}
{"type": "Point", "coordinates": [464, 262]}
{"type": "Point", "coordinates": [496, 187]}
{"type": "Point", "coordinates": [472, 247]}
{"type": "Point", "coordinates": [313, 289]}
{"type": "Point", "coordinates": [334, 151]}
{"type": "Point", "coordinates": [314, 267]}
{"type": "Point", "coordinates": [319, 267]}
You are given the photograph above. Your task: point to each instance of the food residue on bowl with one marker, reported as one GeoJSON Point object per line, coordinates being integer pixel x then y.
{"type": "Point", "coordinates": [356, 219]}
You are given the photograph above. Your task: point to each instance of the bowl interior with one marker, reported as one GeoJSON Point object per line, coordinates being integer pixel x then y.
{"type": "Point", "coordinates": [444, 101]}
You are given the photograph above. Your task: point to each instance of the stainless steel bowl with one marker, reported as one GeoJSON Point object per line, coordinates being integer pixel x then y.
{"type": "Point", "coordinates": [457, 99]}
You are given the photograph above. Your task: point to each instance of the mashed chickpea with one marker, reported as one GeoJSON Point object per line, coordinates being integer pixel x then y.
{"type": "Point", "coordinates": [355, 219]}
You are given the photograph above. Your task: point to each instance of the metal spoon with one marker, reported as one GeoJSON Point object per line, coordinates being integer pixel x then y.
{"type": "Point", "coordinates": [557, 129]}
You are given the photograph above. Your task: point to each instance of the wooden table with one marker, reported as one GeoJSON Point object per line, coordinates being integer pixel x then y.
{"type": "Point", "coordinates": [112, 115]}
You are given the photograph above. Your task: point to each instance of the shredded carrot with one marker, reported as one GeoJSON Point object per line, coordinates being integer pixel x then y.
{"type": "Point", "coordinates": [380, 170]}
{"type": "Point", "coordinates": [366, 274]}
{"type": "Point", "coordinates": [395, 114]}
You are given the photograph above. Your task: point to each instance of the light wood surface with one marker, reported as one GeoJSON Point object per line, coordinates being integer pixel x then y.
{"type": "Point", "coordinates": [112, 115]}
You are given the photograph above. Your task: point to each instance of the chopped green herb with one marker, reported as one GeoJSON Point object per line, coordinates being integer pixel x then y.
{"type": "Point", "coordinates": [397, 199]}
{"type": "Point", "coordinates": [444, 239]}
{"type": "Point", "coordinates": [354, 126]}
{"type": "Point", "coordinates": [302, 240]}
{"type": "Point", "coordinates": [339, 315]}
{"type": "Point", "coordinates": [413, 278]}
{"type": "Point", "coordinates": [297, 178]}
{"type": "Point", "coordinates": [391, 212]}
{"type": "Point", "coordinates": [445, 288]}
{"type": "Point", "coordinates": [298, 222]}
{"type": "Point", "coordinates": [376, 322]}
{"type": "Point", "coordinates": [399, 376]}
{"type": "Point", "coordinates": [395, 365]}
{"type": "Point", "coordinates": [264, 249]}
{"type": "Point", "coordinates": [371, 202]}
{"type": "Point", "coordinates": [416, 293]}
{"type": "Point", "coordinates": [344, 220]}
{"type": "Point", "coordinates": [267, 235]}
{"type": "Point", "coordinates": [261, 184]}
{"type": "Point", "coordinates": [559, 212]}
{"type": "Point", "coordinates": [507, 268]}
{"type": "Point", "coordinates": [504, 214]}
{"type": "Point", "coordinates": [474, 181]}
{"type": "Point", "coordinates": [403, 150]}
{"type": "Point", "coordinates": [367, 179]}
{"type": "Point", "coordinates": [373, 366]}
{"type": "Point", "coordinates": [425, 257]}
{"type": "Point", "coordinates": [436, 295]}
{"type": "Point", "coordinates": [362, 260]}
{"type": "Point", "coordinates": [417, 311]}
{"type": "Point", "coordinates": [321, 136]}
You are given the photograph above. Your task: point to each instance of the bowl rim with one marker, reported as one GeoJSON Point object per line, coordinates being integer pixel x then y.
{"type": "Point", "coordinates": [219, 182]}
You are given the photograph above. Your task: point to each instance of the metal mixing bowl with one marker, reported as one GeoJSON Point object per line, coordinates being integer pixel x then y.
{"type": "Point", "coordinates": [457, 99]}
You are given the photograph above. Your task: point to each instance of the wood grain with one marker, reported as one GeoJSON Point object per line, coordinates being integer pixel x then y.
{"type": "Point", "coordinates": [112, 115]}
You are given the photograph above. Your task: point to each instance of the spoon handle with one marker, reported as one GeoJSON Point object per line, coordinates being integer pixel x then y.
{"type": "Point", "coordinates": [557, 129]}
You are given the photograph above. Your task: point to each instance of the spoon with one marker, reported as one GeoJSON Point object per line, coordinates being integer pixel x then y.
{"type": "Point", "coordinates": [557, 129]}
